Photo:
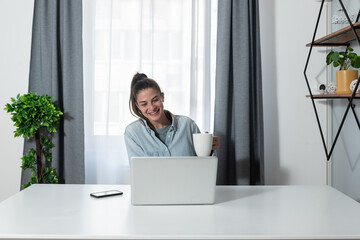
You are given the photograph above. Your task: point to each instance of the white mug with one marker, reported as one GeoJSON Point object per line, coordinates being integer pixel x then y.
{"type": "Point", "coordinates": [203, 144]}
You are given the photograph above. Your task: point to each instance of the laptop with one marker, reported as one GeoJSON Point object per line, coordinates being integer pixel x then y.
{"type": "Point", "coordinates": [173, 180]}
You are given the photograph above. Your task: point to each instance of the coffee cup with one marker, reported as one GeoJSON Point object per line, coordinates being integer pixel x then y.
{"type": "Point", "coordinates": [203, 144]}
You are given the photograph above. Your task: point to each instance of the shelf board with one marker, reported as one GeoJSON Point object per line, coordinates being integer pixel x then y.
{"type": "Point", "coordinates": [332, 96]}
{"type": "Point", "coordinates": [340, 37]}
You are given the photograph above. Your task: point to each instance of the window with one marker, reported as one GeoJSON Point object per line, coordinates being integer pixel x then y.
{"type": "Point", "coordinates": [172, 41]}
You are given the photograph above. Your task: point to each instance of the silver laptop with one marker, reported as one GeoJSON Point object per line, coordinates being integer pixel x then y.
{"type": "Point", "coordinates": [173, 180]}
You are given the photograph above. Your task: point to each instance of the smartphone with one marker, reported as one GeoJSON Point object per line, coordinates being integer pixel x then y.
{"type": "Point", "coordinates": [107, 193]}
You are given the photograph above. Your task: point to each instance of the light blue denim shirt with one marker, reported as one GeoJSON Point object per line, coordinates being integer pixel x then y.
{"type": "Point", "coordinates": [140, 140]}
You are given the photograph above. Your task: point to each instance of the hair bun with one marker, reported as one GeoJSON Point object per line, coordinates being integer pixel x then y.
{"type": "Point", "coordinates": [138, 77]}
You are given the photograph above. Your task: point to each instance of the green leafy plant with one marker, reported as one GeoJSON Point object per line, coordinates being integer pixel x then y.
{"type": "Point", "coordinates": [343, 59]}
{"type": "Point", "coordinates": [36, 117]}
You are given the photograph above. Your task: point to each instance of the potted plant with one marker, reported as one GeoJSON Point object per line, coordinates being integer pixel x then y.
{"type": "Point", "coordinates": [344, 76]}
{"type": "Point", "coordinates": [36, 117]}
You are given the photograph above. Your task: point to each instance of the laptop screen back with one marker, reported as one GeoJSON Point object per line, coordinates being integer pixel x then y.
{"type": "Point", "coordinates": [173, 180]}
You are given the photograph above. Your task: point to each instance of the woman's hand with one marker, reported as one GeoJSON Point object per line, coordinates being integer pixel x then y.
{"type": "Point", "coordinates": [216, 143]}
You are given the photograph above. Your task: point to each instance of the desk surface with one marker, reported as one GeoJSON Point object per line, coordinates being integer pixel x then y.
{"type": "Point", "coordinates": [240, 212]}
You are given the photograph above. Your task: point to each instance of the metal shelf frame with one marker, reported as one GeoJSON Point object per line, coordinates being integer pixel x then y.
{"type": "Point", "coordinates": [350, 99]}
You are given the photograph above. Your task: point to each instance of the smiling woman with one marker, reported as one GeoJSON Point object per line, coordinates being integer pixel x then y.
{"type": "Point", "coordinates": [158, 132]}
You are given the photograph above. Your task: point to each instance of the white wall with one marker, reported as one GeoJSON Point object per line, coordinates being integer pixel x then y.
{"type": "Point", "coordinates": [293, 149]}
{"type": "Point", "coordinates": [15, 41]}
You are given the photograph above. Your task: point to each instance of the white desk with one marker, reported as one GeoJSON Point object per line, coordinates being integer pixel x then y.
{"type": "Point", "coordinates": [240, 212]}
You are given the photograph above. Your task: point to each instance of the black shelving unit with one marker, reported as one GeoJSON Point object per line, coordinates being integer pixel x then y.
{"type": "Point", "coordinates": [342, 37]}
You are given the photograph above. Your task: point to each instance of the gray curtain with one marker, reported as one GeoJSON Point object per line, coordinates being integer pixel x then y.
{"type": "Point", "coordinates": [56, 69]}
{"type": "Point", "coordinates": [238, 95]}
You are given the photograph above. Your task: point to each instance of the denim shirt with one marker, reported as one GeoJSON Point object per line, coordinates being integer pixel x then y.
{"type": "Point", "coordinates": [140, 140]}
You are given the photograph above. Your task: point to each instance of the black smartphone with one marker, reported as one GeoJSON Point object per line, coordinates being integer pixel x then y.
{"type": "Point", "coordinates": [107, 193]}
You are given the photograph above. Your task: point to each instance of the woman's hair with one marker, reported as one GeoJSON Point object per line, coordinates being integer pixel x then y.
{"type": "Point", "coordinates": [140, 82]}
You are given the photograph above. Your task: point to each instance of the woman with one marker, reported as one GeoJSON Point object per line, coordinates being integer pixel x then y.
{"type": "Point", "coordinates": [157, 132]}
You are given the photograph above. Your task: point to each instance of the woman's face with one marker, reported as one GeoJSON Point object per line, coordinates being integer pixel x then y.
{"type": "Point", "coordinates": [150, 103]}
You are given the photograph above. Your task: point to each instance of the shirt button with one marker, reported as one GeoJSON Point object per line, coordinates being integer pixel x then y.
{"type": "Point", "coordinates": [165, 150]}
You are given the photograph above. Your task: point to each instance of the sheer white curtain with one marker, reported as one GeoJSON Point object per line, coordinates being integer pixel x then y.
{"type": "Point", "coordinates": [172, 41]}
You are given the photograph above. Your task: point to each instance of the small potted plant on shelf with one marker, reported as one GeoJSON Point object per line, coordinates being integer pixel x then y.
{"type": "Point", "coordinates": [344, 76]}
{"type": "Point", "coordinates": [36, 117]}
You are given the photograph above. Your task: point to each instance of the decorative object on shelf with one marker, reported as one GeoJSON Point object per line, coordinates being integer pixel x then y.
{"type": "Point", "coordinates": [345, 60]}
{"type": "Point", "coordinates": [321, 88]}
{"type": "Point", "coordinates": [340, 18]}
{"type": "Point", "coordinates": [36, 117]}
{"type": "Point", "coordinates": [331, 88]}
{"type": "Point", "coordinates": [352, 86]}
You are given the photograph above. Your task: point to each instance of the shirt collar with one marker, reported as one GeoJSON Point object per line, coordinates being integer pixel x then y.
{"type": "Point", "coordinates": [174, 122]}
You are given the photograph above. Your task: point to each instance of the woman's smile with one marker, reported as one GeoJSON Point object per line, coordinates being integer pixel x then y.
{"type": "Point", "coordinates": [154, 113]}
